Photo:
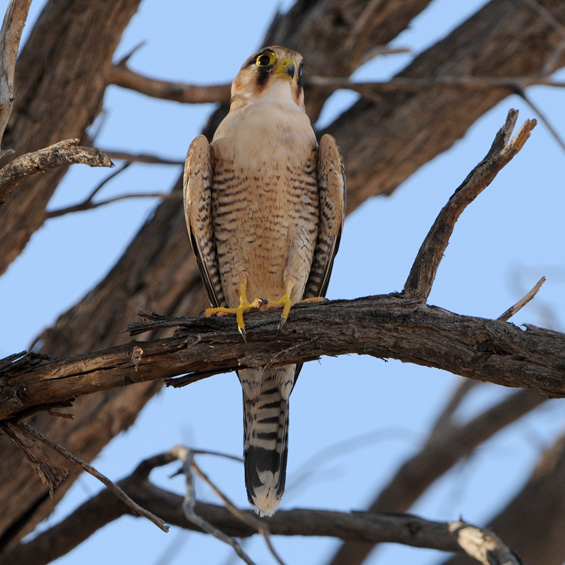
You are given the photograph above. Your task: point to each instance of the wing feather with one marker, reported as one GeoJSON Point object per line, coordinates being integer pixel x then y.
{"type": "Point", "coordinates": [197, 191]}
{"type": "Point", "coordinates": [331, 186]}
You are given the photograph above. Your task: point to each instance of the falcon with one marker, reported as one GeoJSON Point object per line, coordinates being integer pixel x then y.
{"type": "Point", "coordinates": [264, 207]}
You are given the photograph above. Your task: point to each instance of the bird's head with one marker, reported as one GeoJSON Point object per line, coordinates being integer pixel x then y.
{"type": "Point", "coordinates": [272, 71]}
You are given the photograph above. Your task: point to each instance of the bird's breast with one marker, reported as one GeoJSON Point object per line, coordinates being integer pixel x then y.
{"type": "Point", "coordinates": [264, 201]}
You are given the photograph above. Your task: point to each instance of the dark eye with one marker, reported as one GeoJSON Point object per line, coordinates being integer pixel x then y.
{"type": "Point", "coordinates": [300, 73]}
{"type": "Point", "coordinates": [265, 59]}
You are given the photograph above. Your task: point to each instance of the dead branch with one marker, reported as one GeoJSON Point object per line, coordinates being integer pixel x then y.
{"type": "Point", "coordinates": [141, 158]}
{"type": "Point", "coordinates": [89, 205]}
{"type": "Point", "coordinates": [135, 508]}
{"type": "Point", "coordinates": [423, 272]}
{"type": "Point", "coordinates": [66, 152]}
{"type": "Point", "coordinates": [447, 444]}
{"type": "Point", "coordinates": [187, 457]}
{"type": "Point", "coordinates": [542, 116]}
{"type": "Point", "coordinates": [482, 545]}
{"type": "Point", "coordinates": [123, 76]}
{"type": "Point", "coordinates": [439, 454]}
{"type": "Point", "coordinates": [356, 526]}
{"type": "Point", "coordinates": [50, 474]}
{"type": "Point", "coordinates": [187, 93]}
{"type": "Point", "coordinates": [381, 326]}
{"type": "Point", "coordinates": [260, 525]}
{"type": "Point", "coordinates": [12, 27]}
{"type": "Point", "coordinates": [505, 316]}
{"type": "Point", "coordinates": [522, 522]}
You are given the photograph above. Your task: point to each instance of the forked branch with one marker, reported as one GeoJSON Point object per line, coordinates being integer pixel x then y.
{"type": "Point", "coordinates": [457, 537]}
{"type": "Point", "coordinates": [503, 149]}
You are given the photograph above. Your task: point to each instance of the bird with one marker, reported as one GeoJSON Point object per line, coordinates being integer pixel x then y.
{"type": "Point", "coordinates": [264, 204]}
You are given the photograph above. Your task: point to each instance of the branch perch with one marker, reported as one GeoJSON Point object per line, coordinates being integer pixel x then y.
{"type": "Point", "coordinates": [381, 326]}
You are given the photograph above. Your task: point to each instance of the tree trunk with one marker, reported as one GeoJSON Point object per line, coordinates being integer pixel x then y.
{"type": "Point", "coordinates": [383, 144]}
{"type": "Point", "coordinates": [60, 83]}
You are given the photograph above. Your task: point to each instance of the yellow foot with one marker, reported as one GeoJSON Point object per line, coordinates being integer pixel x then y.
{"type": "Point", "coordinates": [286, 303]}
{"type": "Point", "coordinates": [244, 307]}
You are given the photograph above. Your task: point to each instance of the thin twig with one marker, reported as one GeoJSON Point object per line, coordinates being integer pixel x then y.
{"type": "Point", "coordinates": [124, 60]}
{"type": "Point", "coordinates": [136, 508]}
{"type": "Point", "coordinates": [444, 422]}
{"type": "Point", "coordinates": [422, 275]}
{"type": "Point", "coordinates": [358, 37]}
{"type": "Point", "coordinates": [186, 456]}
{"type": "Point", "coordinates": [253, 522]}
{"type": "Point", "coordinates": [552, 62]}
{"type": "Point", "coordinates": [141, 158]}
{"type": "Point", "coordinates": [123, 76]}
{"type": "Point", "coordinates": [522, 302]}
{"type": "Point", "coordinates": [201, 94]}
{"type": "Point", "coordinates": [88, 205]}
{"type": "Point", "coordinates": [50, 474]}
{"type": "Point", "coordinates": [105, 181]}
{"type": "Point", "coordinates": [184, 380]}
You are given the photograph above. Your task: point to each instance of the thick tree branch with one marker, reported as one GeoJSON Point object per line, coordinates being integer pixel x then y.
{"type": "Point", "coordinates": [67, 152]}
{"type": "Point", "coordinates": [448, 443]}
{"type": "Point", "coordinates": [369, 527]}
{"type": "Point", "coordinates": [383, 144]}
{"type": "Point", "coordinates": [381, 326]}
{"type": "Point", "coordinates": [160, 252]}
{"type": "Point", "coordinates": [59, 83]}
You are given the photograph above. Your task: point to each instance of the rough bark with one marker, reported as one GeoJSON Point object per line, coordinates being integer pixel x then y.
{"type": "Point", "coordinates": [66, 152]}
{"type": "Point", "coordinates": [406, 130]}
{"type": "Point", "coordinates": [60, 82]}
{"type": "Point", "coordinates": [156, 274]}
{"type": "Point", "coordinates": [381, 326]}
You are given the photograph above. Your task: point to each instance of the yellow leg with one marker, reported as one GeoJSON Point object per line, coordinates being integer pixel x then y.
{"type": "Point", "coordinates": [244, 307]}
{"type": "Point", "coordinates": [286, 303]}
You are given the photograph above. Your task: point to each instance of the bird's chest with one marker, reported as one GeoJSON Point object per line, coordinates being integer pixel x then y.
{"type": "Point", "coordinates": [264, 200]}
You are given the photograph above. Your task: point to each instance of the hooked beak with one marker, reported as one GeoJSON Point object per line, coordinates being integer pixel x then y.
{"type": "Point", "coordinates": [287, 67]}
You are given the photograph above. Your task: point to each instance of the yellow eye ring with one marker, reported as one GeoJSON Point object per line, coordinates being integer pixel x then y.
{"type": "Point", "coordinates": [265, 59]}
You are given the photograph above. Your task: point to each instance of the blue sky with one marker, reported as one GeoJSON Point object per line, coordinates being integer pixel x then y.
{"type": "Point", "coordinates": [504, 242]}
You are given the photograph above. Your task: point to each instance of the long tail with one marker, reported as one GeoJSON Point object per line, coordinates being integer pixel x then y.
{"type": "Point", "coordinates": [265, 444]}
